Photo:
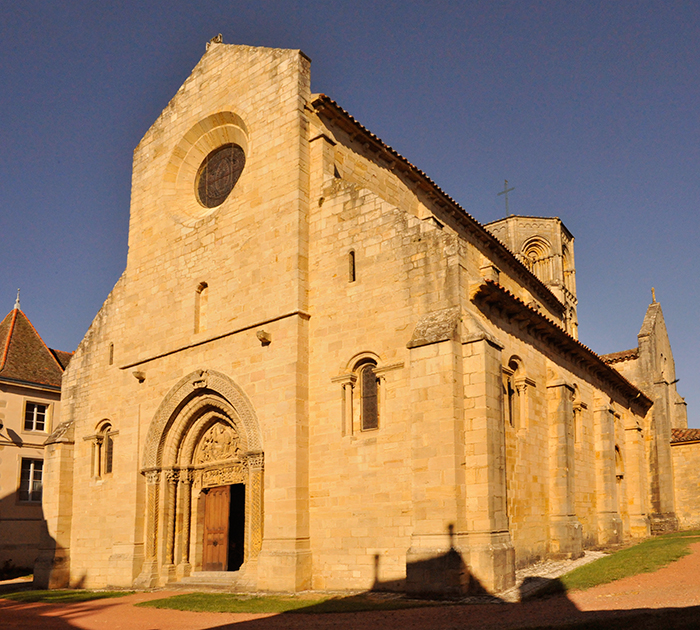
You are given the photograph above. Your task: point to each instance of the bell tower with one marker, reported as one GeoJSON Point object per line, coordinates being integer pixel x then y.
{"type": "Point", "coordinates": [546, 248]}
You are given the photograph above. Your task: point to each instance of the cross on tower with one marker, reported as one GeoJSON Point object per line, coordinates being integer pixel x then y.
{"type": "Point", "coordinates": [505, 192]}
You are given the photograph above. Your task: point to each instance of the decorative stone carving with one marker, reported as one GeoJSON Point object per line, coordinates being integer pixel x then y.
{"type": "Point", "coordinates": [223, 476]}
{"type": "Point", "coordinates": [172, 404]}
{"type": "Point", "coordinates": [152, 477]}
{"type": "Point", "coordinates": [255, 460]}
{"type": "Point", "coordinates": [220, 442]}
{"type": "Point", "coordinates": [200, 379]}
{"type": "Point", "coordinates": [186, 476]}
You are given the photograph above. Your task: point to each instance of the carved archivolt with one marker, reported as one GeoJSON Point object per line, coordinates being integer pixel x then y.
{"type": "Point", "coordinates": [201, 395]}
{"type": "Point", "coordinates": [204, 434]}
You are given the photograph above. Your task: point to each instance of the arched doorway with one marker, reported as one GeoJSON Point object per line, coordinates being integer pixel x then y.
{"type": "Point", "coordinates": [203, 466]}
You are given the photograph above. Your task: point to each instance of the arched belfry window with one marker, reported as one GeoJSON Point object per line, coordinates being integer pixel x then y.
{"type": "Point", "coordinates": [536, 253]}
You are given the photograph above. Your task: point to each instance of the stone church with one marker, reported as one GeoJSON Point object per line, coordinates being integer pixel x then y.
{"type": "Point", "coordinates": [318, 371]}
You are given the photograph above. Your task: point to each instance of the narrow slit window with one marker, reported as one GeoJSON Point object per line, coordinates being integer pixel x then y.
{"type": "Point", "coordinates": [200, 307]}
{"type": "Point", "coordinates": [351, 266]}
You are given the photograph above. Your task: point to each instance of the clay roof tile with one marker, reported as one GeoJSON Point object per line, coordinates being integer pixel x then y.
{"type": "Point", "coordinates": [24, 357]}
{"type": "Point", "coordinates": [685, 435]}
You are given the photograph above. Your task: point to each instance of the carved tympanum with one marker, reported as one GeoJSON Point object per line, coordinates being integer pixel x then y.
{"type": "Point", "coordinates": [220, 442]}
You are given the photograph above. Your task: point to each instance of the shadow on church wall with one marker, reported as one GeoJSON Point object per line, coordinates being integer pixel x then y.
{"type": "Point", "coordinates": [26, 547]}
{"type": "Point", "coordinates": [21, 527]}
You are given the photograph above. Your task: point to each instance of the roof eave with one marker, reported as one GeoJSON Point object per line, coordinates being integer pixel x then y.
{"type": "Point", "coordinates": [491, 293]}
{"type": "Point", "coordinates": [325, 104]}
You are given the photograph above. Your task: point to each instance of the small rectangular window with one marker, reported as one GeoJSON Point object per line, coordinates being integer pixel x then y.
{"type": "Point", "coordinates": [30, 485]}
{"type": "Point", "coordinates": [35, 417]}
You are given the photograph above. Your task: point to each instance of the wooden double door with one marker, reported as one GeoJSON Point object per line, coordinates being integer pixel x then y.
{"type": "Point", "coordinates": [224, 528]}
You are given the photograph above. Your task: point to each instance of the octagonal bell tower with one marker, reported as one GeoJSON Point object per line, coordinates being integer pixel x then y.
{"type": "Point", "coordinates": [546, 248]}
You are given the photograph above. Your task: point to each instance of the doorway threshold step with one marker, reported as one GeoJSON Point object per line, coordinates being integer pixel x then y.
{"type": "Point", "coordinates": [233, 581]}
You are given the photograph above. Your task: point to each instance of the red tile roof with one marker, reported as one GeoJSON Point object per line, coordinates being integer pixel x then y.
{"type": "Point", "coordinates": [24, 357]}
{"type": "Point", "coordinates": [685, 435]}
{"type": "Point", "coordinates": [623, 355]}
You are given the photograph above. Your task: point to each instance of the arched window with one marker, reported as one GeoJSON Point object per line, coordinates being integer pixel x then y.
{"type": "Point", "coordinates": [510, 392]}
{"type": "Point", "coordinates": [362, 392]}
{"type": "Point", "coordinates": [369, 396]}
{"type": "Point", "coordinates": [103, 450]}
{"type": "Point", "coordinates": [619, 464]}
{"type": "Point", "coordinates": [537, 255]}
{"type": "Point", "coordinates": [515, 394]}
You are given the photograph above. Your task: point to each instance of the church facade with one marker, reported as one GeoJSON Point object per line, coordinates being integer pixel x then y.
{"type": "Point", "coordinates": [318, 371]}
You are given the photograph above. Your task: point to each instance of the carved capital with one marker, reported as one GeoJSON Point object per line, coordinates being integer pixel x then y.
{"type": "Point", "coordinates": [152, 477]}
{"type": "Point", "coordinates": [186, 476]}
{"type": "Point", "coordinates": [172, 476]}
{"type": "Point", "coordinates": [256, 460]}
{"type": "Point", "coordinates": [345, 379]}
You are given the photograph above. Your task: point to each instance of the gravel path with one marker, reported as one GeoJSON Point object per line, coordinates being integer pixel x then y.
{"type": "Point", "coordinates": [668, 598]}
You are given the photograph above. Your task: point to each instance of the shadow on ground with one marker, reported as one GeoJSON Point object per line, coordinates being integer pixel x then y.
{"type": "Point", "coordinates": [547, 612]}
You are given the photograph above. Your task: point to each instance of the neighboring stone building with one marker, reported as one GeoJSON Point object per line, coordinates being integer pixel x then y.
{"type": "Point", "coordinates": [30, 390]}
{"type": "Point", "coordinates": [318, 371]}
{"type": "Point", "coordinates": [685, 454]}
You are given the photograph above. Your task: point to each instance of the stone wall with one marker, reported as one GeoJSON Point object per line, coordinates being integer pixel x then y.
{"type": "Point", "coordinates": [686, 464]}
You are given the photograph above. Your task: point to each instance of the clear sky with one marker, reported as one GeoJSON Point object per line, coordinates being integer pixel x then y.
{"type": "Point", "coordinates": [589, 109]}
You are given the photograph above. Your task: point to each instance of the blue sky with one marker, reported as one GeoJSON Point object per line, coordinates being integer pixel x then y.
{"type": "Point", "coordinates": [589, 109]}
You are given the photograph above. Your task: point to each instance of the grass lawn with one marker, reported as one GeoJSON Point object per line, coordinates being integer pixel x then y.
{"type": "Point", "coordinates": [645, 557]}
{"type": "Point", "coordinates": [62, 596]}
{"type": "Point", "coordinates": [224, 602]}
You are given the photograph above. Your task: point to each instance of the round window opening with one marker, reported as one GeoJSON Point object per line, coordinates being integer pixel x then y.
{"type": "Point", "coordinates": [218, 174]}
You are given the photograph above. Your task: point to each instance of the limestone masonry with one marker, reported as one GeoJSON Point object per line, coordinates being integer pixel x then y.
{"type": "Point", "coordinates": [318, 371]}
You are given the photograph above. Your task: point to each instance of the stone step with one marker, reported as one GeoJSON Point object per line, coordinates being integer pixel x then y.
{"type": "Point", "coordinates": [227, 581]}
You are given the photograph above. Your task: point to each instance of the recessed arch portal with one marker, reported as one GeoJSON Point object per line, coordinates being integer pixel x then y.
{"type": "Point", "coordinates": [204, 435]}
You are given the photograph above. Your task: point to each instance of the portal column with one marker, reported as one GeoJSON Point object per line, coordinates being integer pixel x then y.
{"type": "Point", "coordinates": [149, 574]}
{"type": "Point", "coordinates": [184, 568]}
